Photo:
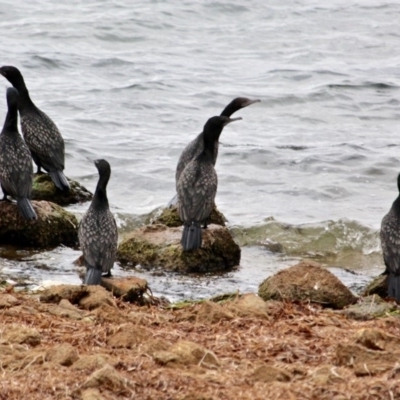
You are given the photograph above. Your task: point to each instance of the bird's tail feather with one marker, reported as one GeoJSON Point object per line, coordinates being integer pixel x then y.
{"type": "Point", "coordinates": [191, 236]}
{"type": "Point", "coordinates": [26, 209]}
{"type": "Point", "coordinates": [59, 180]}
{"type": "Point", "coordinates": [92, 277]}
{"type": "Point", "coordinates": [394, 287]}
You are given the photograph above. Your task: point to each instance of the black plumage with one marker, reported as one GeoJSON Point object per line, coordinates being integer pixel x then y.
{"type": "Point", "coordinates": [16, 171]}
{"type": "Point", "coordinates": [195, 147]}
{"type": "Point", "coordinates": [390, 241]}
{"type": "Point", "coordinates": [98, 235]}
{"type": "Point", "coordinates": [40, 132]}
{"type": "Point", "coordinates": [197, 185]}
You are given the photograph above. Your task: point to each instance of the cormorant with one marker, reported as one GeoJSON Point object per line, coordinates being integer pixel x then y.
{"type": "Point", "coordinates": [390, 241]}
{"type": "Point", "coordinates": [40, 132]}
{"type": "Point", "coordinates": [197, 185]}
{"type": "Point", "coordinates": [98, 233]}
{"type": "Point", "coordinates": [16, 170]}
{"type": "Point", "coordinates": [195, 147]}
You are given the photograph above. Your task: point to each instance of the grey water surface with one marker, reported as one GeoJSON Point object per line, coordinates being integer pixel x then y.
{"type": "Point", "coordinates": [308, 173]}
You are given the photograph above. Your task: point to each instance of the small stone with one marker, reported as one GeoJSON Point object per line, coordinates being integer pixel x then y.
{"type": "Point", "coordinates": [21, 335]}
{"type": "Point", "coordinates": [129, 336]}
{"type": "Point", "coordinates": [92, 394]}
{"type": "Point", "coordinates": [93, 362]}
{"type": "Point", "coordinates": [63, 354]}
{"type": "Point", "coordinates": [368, 308]}
{"type": "Point", "coordinates": [211, 313]}
{"type": "Point", "coordinates": [97, 297]}
{"type": "Point", "coordinates": [130, 289]}
{"type": "Point", "coordinates": [7, 300]}
{"type": "Point", "coordinates": [376, 339]}
{"type": "Point", "coordinates": [250, 305]}
{"type": "Point", "coordinates": [268, 373]}
{"type": "Point", "coordinates": [107, 378]}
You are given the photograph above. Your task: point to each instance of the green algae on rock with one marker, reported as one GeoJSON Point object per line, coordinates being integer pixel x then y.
{"type": "Point", "coordinates": [53, 227]}
{"type": "Point", "coordinates": [159, 246]}
{"type": "Point", "coordinates": [43, 188]}
{"type": "Point", "coordinates": [307, 281]}
{"type": "Point", "coordinates": [169, 216]}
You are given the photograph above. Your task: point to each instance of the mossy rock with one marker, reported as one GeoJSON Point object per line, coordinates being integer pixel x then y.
{"type": "Point", "coordinates": [378, 285]}
{"type": "Point", "coordinates": [43, 188]}
{"type": "Point", "coordinates": [159, 246]}
{"type": "Point", "coordinates": [169, 216]}
{"type": "Point", "coordinates": [307, 281]}
{"type": "Point", "coordinates": [53, 227]}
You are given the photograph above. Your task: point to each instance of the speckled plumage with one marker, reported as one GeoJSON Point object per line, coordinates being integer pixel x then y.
{"type": "Point", "coordinates": [197, 186]}
{"type": "Point", "coordinates": [98, 235]}
{"type": "Point", "coordinates": [390, 241]}
{"type": "Point", "coordinates": [196, 146]}
{"type": "Point", "coordinates": [16, 170]}
{"type": "Point", "coordinates": [40, 132]}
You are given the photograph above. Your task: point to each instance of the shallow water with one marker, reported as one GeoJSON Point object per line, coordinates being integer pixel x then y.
{"type": "Point", "coordinates": [309, 172]}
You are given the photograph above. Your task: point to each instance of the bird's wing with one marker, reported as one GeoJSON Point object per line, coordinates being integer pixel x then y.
{"type": "Point", "coordinates": [390, 240]}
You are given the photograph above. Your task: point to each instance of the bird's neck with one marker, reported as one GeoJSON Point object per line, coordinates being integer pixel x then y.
{"type": "Point", "coordinates": [11, 121]}
{"type": "Point", "coordinates": [229, 110]}
{"type": "Point", "coordinates": [100, 200]}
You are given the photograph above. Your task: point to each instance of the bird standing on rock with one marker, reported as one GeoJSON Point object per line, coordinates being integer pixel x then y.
{"type": "Point", "coordinates": [195, 147]}
{"type": "Point", "coordinates": [98, 235]}
{"type": "Point", "coordinates": [390, 241]}
{"type": "Point", "coordinates": [197, 185]}
{"type": "Point", "coordinates": [16, 169]}
{"type": "Point", "coordinates": [40, 132]}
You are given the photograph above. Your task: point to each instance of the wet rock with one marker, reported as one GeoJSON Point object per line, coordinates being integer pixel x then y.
{"type": "Point", "coordinates": [130, 289]}
{"type": "Point", "coordinates": [268, 373]}
{"type": "Point", "coordinates": [20, 335]}
{"type": "Point", "coordinates": [378, 285]}
{"type": "Point", "coordinates": [187, 353]}
{"type": "Point", "coordinates": [63, 354]}
{"type": "Point", "coordinates": [368, 308]}
{"type": "Point", "coordinates": [107, 378]}
{"type": "Point", "coordinates": [307, 281]}
{"type": "Point", "coordinates": [169, 216]}
{"type": "Point", "coordinates": [129, 336]}
{"type": "Point", "coordinates": [53, 227]}
{"type": "Point", "coordinates": [159, 246]}
{"type": "Point", "coordinates": [88, 297]}
{"type": "Point", "coordinates": [43, 188]}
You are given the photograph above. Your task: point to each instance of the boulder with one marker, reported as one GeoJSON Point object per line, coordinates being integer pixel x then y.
{"type": "Point", "coordinates": [159, 246]}
{"type": "Point", "coordinates": [169, 216]}
{"type": "Point", "coordinates": [307, 281]}
{"type": "Point", "coordinates": [53, 227]}
{"type": "Point", "coordinates": [43, 188]}
{"type": "Point", "coordinates": [378, 285]}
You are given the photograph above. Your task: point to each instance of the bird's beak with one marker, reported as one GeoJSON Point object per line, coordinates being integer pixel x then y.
{"type": "Point", "coordinates": [250, 102]}
{"type": "Point", "coordinates": [232, 120]}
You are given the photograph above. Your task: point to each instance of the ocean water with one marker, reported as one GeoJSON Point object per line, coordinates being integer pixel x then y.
{"type": "Point", "coordinates": [308, 173]}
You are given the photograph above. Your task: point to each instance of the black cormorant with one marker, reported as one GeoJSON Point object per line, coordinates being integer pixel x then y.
{"type": "Point", "coordinates": [197, 185]}
{"type": "Point", "coordinates": [390, 240]}
{"type": "Point", "coordinates": [195, 147]}
{"type": "Point", "coordinates": [98, 233]}
{"type": "Point", "coordinates": [40, 132]}
{"type": "Point", "coordinates": [16, 171]}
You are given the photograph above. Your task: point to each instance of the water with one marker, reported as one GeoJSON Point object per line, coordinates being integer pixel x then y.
{"type": "Point", "coordinates": [308, 173]}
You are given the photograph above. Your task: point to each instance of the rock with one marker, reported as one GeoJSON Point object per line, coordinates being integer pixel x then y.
{"type": "Point", "coordinates": [210, 313]}
{"type": "Point", "coordinates": [187, 353]}
{"type": "Point", "coordinates": [378, 285]}
{"type": "Point", "coordinates": [93, 362]}
{"type": "Point", "coordinates": [88, 297]}
{"type": "Point", "coordinates": [376, 339]}
{"type": "Point", "coordinates": [43, 188]}
{"type": "Point", "coordinates": [129, 336]}
{"type": "Point", "coordinates": [365, 361]}
{"type": "Point", "coordinates": [307, 281]}
{"type": "Point", "coordinates": [92, 394]}
{"type": "Point", "coordinates": [169, 216]}
{"type": "Point", "coordinates": [159, 246]}
{"type": "Point", "coordinates": [329, 374]}
{"type": "Point", "coordinates": [368, 308]}
{"type": "Point", "coordinates": [20, 335]}
{"type": "Point", "coordinates": [250, 305]}
{"type": "Point", "coordinates": [63, 354]}
{"type": "Point", "coordinates": [53, 227]}
{"type": "Point", "coordinates": [130, 289]}
{"type": "Point", "coordinates": [152, 346]}
{"type": "Point", "coordinates": [7, 300]}
{"type": "Point", "coordinates": [107, 378]}
{"type": "Point", "coordinates": [268, 373]}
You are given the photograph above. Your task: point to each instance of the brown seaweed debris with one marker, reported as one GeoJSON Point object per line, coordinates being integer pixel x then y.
{"type": "Point", "coordinates": [288, 351]}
